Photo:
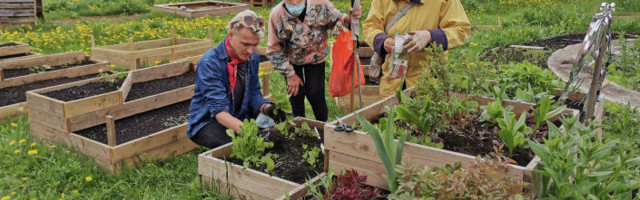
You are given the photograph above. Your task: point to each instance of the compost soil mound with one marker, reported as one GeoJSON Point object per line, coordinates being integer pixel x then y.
{"type": "Point", "coordinates": [290, 153]}
{"type": "Point", "coordinates": [10, 73]}
{"type": "Point", "coordinates": [83, 91]}
{"type": "Point", "coordinates": [142, 124]}
{"type": "Point", "coordinates": [144, 89]}
{"type": "Point", "coordinates": [17, 94]}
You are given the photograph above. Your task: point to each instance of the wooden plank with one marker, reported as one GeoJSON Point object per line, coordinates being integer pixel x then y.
{"type": "Point", "coordinates": [126, 85]}
{"type": "Point", "coordinates": [46, 104]}
{"type": "Point", "coordinates": [149, 142]}
{"type": "Point", "coordinates": [301, 190]}
{"type": "Point", "coordinates": [93, 103]}
{"type": "Point", "coordinates": [526, 47]}
{"type": "Point", "coordinates": [46, 118]}
{"type": "Point", "coordinates": [111, 130]}
{"type": "Point", "coordinates": [175, 148]}
{"type": "Point", "coordinates": [242, 178]}
{"type": "Point", "coordinates": [365, 52]}
{"type": "Point", "coordinates": [374, 171]}
{"type": "Point", "coordinates": [94, 118]}
{"type": "Point", "coordinates": [17, 20]}
{"type": "Point", "coordinates": [154, 50]}
{"type": "Point", "coordinates": [24, 6]}
{"type": "Point", "coordinates": [17, 13]}
{"type": "Point", "coordinates": [13, 109]}
{"type": "Point", "coordinates": [17, 48]}
{"type": "Point", "coordinates": [61, 73]}
{"type": "Point", "coordinates": [161, 71]}
{"type": "Point", "coordinates": [51, 60]}
{"type": "Point", "coordinates": [237, 193]}
{"type": "Point", "coordinates": [84, 145]}
{"type": "Point", "coordinates": [370, 95]}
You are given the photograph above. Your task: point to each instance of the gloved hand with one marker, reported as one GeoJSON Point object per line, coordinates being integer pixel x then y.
{"type": "Point", "coordinates": [270, 111]}
{"type": "Point", "coordinates": [418, 40]}
{"type": "Point", "coordinates": [271, 134]}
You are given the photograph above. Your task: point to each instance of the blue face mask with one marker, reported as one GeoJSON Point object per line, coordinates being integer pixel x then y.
{"type": "Point", "coordinates": [295, 10]}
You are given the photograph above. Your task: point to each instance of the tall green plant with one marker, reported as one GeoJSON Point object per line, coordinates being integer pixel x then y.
{"type": "Point", "coordinates": [544, 112]}
{"type": "Point", "coordinates": [248, 146]}
{"type": "Point", "coordinates": [575, 164]}
{"type": "Point", "coordinates": [389, 152]}
{"type": "Point", "coordinates": [511, 131]}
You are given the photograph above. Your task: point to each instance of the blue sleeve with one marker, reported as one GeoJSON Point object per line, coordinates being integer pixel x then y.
{"type": "Point", "coordinates": [378, 44]}
{"type": "Point", "coordinates": [438, 36]}
{"type": "Point", "coordinates": [211, 85]}
{"type": "Point", "coordinates": [256, 93]}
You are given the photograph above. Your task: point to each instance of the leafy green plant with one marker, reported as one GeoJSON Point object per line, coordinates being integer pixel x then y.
{"type": "Point", "coordinates": [389, 152]}
{"type": "Point", "coordinates": [511, 131]}
{"type": "Point", "coordinates": [110, 79]}
{"type": "Point", "coordinates": [324, 186]}
{"type": "Point", "coordinates": [494, 110]}
{"type": "Point", "coordinates": [482, 180]}
{"type": "Point", "coordinates": [268, 161]}
{"type": "Point", "coordinates": [544, 112]}
{"type": "Point", "coordinates": [575, 164]}
{"type": "Point", "coordinates": [281, 99]}
{"type": "Point", "coordinates": [623, 122]}
{"type": "Point", "coordinates": [248, 146]}
{"type": "Point", "coordinates": [40, 69]}
{"type": "Point", "coordinates": [528, 95]}
{"type": "Point", "coordinates": [310, 155]}
{"type": "Point", "coordinates": [526, 75]}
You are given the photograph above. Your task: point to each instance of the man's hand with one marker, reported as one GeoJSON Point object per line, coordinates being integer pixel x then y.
{"type": "Point", "coordinates": [271, 134]}
{"type": "Point", "coordinates": [293, 83]}
{"type": "Point", "coordinates": [417, 41]}
{"type": "Point", "coordinates": [388, 45]}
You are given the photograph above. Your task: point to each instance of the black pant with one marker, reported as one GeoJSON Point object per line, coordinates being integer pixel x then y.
{"type": "Point", "coordinates": [312, 75]}
{"type": "Point", "coordinates": [211, 135]}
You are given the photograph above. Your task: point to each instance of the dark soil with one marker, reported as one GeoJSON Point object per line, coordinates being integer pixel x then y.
{"type": "Point", "coordinates": [17, 94]}
{"type": "Point", "coordinates": [83, 91]}
{"type": "Point", "coordinates": [144, 89]}
{"type": "Point", "coordinates": [365, 60]}
{"type": "Point", "coordinates": [13, 56]}
{"type": "Point", "coordinates": [473, 137]}
{"type": "Point", "coordinates": [290, 153]}
{"type": "Point", "coordinates": [368, 81]}
{"type": "Point", "coordinates": [10, 73]}
{"type": "Point", "coordinates": [506, 55]}
{"type": "Point", "coordinates": [142, 124]}
{"type": "Point", "coordinates": [8, 44]}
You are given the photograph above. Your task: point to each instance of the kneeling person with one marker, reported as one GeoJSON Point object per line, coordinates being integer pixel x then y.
{"type": "Point", "coordinates": [227, 88]}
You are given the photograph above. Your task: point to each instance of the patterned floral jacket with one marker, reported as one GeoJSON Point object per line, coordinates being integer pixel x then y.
{"type": "Point", "coordinates": [296, 42]}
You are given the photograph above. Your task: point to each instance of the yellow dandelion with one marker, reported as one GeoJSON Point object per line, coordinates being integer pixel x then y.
{"type": "Point", "coordinates": [13, 193]}
{"type": "Point", "coordinates": [25, 179]}
{"type": "Point", "coordinates": [33, 144]}
{"type": "Point", "coordinates": [75, 191]}
{"type": "Point", "coordinates": [17, 151]}
{"type": "Point", "coordinates": [12, 142]}
{"type": "Point", "coordinates": [68, 152]}
{"type": "Point", "coordinates": [22, 141]}
{"type": "Point", "coordinates": [53, 146]}
{"type": "Point", "coordinates": [88, 178]}
{"type": "Point", "coordinates": [14, 124]}
{"type": "Point", "coordinates": [6, 197]}
{"type": "Point", "coordinates": [32, 152]}
{"type": "Point", "coordinates": [62, 196]}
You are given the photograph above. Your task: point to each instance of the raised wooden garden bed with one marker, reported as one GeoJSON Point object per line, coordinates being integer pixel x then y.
{"type": "Point", "coordinates": [148, 90]}
{"type": "Point", "coordinates": [128, 135]}
{"type": "Point", "coordinates": [65, 107]}
{"type": "Point", "coordinates": [134, 55]}
{"type": "Point", "coordinates": [258, 3]}
{"type": "Point", "coordinates": [194, 10]}
{"type": "Point", "coordinates": [250, 183]}
{"type": "Point", "coordinates": [357, 151]}
{"type": "Point", "coordinates": [18, 12]}
{"type": "Point", "coordinates": [75, 66]}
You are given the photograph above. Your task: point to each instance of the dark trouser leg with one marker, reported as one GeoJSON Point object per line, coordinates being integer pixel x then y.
{"type": "Point", "coordinates": [211, 135]}
{"type": "Point", "coordinates": [297, 102]}
{"type": "Point", "coordinates": [314, 88]}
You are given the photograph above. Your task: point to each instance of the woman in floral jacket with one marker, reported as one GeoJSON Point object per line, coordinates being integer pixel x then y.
{"type": "Point", "coordinates": [297, 47]}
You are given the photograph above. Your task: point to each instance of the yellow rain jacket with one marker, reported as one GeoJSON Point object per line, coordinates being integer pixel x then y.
{"type": "Point", "coordinates": [445, 19]}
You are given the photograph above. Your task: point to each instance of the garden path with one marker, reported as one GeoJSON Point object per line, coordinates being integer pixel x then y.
{"type": "Point", "coordinates": [562, 60]}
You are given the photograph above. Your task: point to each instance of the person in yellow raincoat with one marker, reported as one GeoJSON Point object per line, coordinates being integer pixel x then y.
{"type": "Point", "coordinates": [440, 22]}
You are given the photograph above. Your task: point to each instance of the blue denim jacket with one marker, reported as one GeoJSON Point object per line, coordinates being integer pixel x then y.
{"type": "Point", "coordinates": [212, 90]}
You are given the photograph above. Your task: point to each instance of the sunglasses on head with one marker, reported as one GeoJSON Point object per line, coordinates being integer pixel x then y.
{"type": "Point", "coordinates": [251, 21]}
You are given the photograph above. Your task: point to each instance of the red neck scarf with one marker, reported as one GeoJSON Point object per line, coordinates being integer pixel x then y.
{"type": "Point", "coordinates": [232, 67]}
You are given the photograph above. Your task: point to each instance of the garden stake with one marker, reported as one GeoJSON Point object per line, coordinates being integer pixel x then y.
{"type": "Point", "coordinates": [111, 131]}
{"type": "Point", "coordinates": [173, 35]}
{"type": "Point", "coordinates": [1, 74]}
{"type": "Point", "coordinates": [355, 30]}
{"type": "Point", "coordinates": [93, 43]}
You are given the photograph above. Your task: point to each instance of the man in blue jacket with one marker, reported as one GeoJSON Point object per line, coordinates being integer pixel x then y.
{"type": "Point", "coordinates": [227, 88]}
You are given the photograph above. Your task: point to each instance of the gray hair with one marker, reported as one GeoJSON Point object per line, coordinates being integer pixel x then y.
{"type": "Point", "coordinates": [238, 22]}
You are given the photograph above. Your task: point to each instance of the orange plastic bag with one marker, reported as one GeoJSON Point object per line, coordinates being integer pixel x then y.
{"type": "Point", "coordinates": [342, 66]}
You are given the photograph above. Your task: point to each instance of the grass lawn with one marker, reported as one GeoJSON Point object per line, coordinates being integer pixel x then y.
{"type": "Point", "coordinates": [32, 170]}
